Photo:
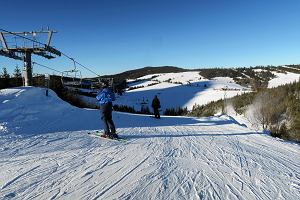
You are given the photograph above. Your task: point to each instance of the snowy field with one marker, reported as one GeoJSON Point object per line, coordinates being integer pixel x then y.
{"type": "Point", "coordinates": [187, 89]}
{"type": "Point", "coordinates": [45, 153]}
{"type": "Point", "coordinates": [184, 89]}
{"type": "Point", "coordinates": [282, 79]}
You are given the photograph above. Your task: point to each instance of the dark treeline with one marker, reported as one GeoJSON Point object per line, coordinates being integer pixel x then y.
{"type": "Point", "coordinates": [7, 80]}
{"type": "Point", "coordinates": [256, 77]}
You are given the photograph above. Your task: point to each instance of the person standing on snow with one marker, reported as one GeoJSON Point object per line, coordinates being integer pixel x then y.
{"type": "Point", "coordinates": [156, 106]}
{"type": "Point", "coordinates": [105, 98]}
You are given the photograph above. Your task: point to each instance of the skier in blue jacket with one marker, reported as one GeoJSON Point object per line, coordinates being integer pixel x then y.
{"type": "Point", "coordinates": [105, 98]}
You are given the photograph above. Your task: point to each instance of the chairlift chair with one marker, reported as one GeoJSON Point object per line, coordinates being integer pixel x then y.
{"type": "Point", "coordinates": [71, 78]}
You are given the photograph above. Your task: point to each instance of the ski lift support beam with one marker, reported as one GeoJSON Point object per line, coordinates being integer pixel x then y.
{"type": "Point", "coordinates": [25, 52]}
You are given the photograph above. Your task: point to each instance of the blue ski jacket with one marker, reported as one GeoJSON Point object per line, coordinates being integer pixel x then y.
{"type": "Point", "coordinates": [105, 96]}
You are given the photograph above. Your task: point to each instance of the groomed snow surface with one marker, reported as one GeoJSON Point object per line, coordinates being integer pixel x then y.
{"type": "Point", "coordinates": [46, 153]}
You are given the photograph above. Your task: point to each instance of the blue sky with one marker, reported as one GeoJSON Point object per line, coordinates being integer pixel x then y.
{"type": "Point", "coordinates": [112, 36]}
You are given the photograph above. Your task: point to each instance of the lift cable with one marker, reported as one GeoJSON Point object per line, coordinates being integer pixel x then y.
{"type": "Point", "coordinates": [35, 63]}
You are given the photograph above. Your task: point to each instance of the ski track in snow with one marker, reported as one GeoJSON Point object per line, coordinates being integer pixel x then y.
{"type": "Point", "coordinates": [205, 161]}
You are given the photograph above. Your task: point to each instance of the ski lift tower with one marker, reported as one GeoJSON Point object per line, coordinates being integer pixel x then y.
{"type": "Point", "coordinates": [21, 46]}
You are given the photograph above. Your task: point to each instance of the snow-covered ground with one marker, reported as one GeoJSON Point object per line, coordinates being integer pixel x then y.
{"type": "Point", "coordinates": [186, 89]}
{"type": "Point", "coordinates": [45, 153]}
{"type": "Point", "coordinates": [283, 78]}
{"type": "Point", "coordinates": [183, 89]}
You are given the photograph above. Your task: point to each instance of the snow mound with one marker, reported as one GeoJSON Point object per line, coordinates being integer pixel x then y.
{"type": "Point", "coordinates": [27, 110]}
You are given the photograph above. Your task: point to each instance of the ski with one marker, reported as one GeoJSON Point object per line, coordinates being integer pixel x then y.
{"type": "Point", "coordinates": [98, 134]}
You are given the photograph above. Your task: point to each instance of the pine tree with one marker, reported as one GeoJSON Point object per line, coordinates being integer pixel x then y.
{"type": "Point", "coordinates": [5, 74]}
{"type": "Point", "coordinates": [17, 80]}
{"type": "Point", "coordinates": [5, 79]}
{"type": "Point", "coordinates": [17, 72]}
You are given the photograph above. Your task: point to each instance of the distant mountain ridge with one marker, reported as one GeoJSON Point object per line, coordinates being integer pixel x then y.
{"type": "Point", "coordinates": [136, 73]}
{"type": "Point", "coordinates": [245, 76]}
{"type": "Point", "coordinates": [207, 72]}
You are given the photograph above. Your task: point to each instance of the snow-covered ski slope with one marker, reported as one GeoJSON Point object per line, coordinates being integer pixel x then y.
{"type": "Point", "coordinates": [45, 153]}
{"type": "Point", "coordinates": [186, 89]}
{"type": "Point", "coordinates": [283, 78]}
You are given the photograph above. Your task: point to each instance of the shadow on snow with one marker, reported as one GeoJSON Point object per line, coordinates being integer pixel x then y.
{"type": "Point", "coordinates": [188, 135]}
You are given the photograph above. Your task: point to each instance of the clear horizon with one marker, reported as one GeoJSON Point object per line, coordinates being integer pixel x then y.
{"type": "Point", "coordinates": [111, 37]}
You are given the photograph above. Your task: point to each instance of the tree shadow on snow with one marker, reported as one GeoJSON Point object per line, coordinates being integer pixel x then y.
{"type": "Point", "coordinates": [89, 120]}
{"type": "Point", "coordinates": [124, 120]}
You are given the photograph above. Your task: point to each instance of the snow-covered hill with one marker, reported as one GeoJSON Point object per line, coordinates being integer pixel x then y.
{"type": "Point", "coordinates": [283, 78]}
{"type": "Point", "coordinates": [45, 153]}
{"type": "Point", "coordinates": [183, 89]}
{"type": "Point", "coordinates": [186, 89]}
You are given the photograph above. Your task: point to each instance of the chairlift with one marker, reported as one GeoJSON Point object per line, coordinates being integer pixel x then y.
{"type": "Point", "coordinates": [96, 84]}
{"type": "Point", "coordinates": [72, 78]}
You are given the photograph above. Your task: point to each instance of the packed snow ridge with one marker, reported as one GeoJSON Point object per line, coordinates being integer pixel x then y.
{"type": "Point", "coordinates": [46, 153]}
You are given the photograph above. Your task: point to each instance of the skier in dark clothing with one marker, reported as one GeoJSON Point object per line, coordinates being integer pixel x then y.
{"type": "Point", "coordinates": [156, 106]}
{"type": "Point", "coordinates": [105, 98]}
